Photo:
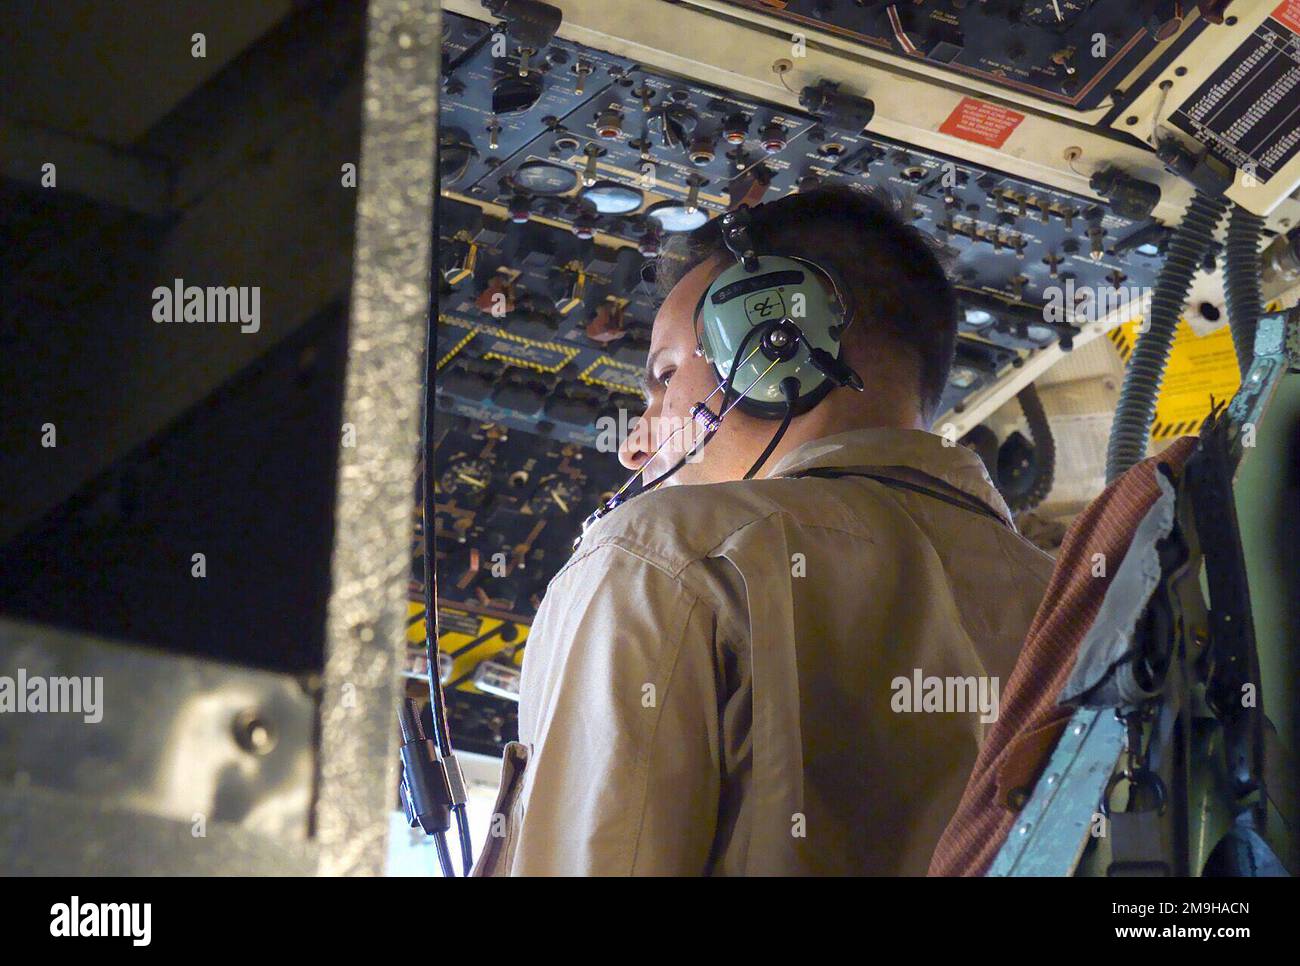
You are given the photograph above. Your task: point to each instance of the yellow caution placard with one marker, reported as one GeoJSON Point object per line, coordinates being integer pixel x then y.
{"type": "Point", "coordinates": [1200, 367]}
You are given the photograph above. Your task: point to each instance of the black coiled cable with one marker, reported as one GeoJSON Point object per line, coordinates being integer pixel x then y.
{"type": "Point", "coordinates": [1188, 245]}
{"type": "Point", "coordinates": [1241, 282]}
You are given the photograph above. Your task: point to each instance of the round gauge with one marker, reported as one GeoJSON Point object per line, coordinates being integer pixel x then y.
{"type": "Point", "coordinates": [978, 318]}
{"type": "Point", "coordinates": [612, 198]}
{"type": "Point", "coordinates": [673, 217]}
{"type": "Point", "coordinates": [544, 178]}
{"type": "Point", "coordinates": [1040, 333]}
{"type": "Point", "coordinates": [553, 495]}
{"type": "Point", "coordinates": [465, 478]}
{"type": "Point", "coordinates": [1053, 13]}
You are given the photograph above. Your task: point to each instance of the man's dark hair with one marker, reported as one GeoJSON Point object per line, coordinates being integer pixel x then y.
{"type": "Point", "coordinates": [895, 281]}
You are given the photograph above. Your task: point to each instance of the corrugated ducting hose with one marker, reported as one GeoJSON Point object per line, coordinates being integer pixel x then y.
{"type": "Point", "coordinates": [1241, 282]}
{"type": "Point", "coordinates": [1188, 245]}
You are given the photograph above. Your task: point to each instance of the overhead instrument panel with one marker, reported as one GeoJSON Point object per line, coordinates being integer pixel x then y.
{"type": "Point", "coordinates": [506, 507]}
{"type": "Point", "coordinates": [1074, 53]}
{"type": "Point", "coordinates": [570, 193]}
{"type": "Point", "coordinates": [603, 144]}
{"type": "Point", "coordinates": [504, 503]}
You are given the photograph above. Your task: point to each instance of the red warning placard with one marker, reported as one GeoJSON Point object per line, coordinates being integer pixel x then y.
{"type": "Point", "coordinates": [986, 124]}
{"type": "Point", "coordinates": [1288, 14]}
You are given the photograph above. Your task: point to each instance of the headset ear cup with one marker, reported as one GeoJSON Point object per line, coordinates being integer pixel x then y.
{"type": "Point", "coordinates": [778, 288]}
{"type": "Point", "coordinates": [806, 401]}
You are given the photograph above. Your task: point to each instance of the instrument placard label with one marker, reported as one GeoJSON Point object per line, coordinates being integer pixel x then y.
{"type": "Point", "coordinates": [1248, 111]}
{"type": "Point", "coordinates": [1288, 15]}
{"type": "Point", "coordinates": [982, 123]}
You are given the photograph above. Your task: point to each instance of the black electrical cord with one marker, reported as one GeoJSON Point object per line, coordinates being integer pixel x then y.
{"type": "Point", "coordinates": [680, 463]}
{"type": "Point", "coordinates": [727, 384]}
{"type": "Point", "coordinates": [1241, 283]}
{"type": "Point", "coordinates": [444, 855]}
{"type": "Point", "coordinates": [1188, 245]}
{"type": "Point", "coordinates": [424, 791]}
{"type": "Point", "coordinates": [790, 389]}
{"type": "Point", "coordinates": [441, 732]}
{"type": "Point", "coordinates": [466, 845]}
{"type": "Point", "coordinates": [438, 707]}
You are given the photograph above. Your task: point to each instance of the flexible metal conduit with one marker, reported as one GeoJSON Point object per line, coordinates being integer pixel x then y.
{"type": "Point", "coordinates": [1188, 245]}
{"type": "Point", "coordinates": [1242, 281]}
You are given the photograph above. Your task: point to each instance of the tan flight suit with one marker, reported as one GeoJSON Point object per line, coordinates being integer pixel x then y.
{"type": "Point", "coordinates": [718, 681]}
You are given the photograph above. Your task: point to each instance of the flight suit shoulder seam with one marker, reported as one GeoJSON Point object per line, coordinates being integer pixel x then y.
{"type": "Point", "coordinates": [731, 631]}
{"type": "Point", "coordinates": [636, 549]}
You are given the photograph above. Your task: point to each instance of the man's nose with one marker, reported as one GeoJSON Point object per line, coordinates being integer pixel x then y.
{"type": "Point", "coordinates": [636, 448]}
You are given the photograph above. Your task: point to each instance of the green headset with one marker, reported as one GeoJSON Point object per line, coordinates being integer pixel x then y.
{"type": "Point", "coordinates": [795, 310]}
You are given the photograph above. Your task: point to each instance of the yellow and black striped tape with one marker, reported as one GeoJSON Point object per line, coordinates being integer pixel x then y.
{"type": "Point", "coordinates": [468, 638]}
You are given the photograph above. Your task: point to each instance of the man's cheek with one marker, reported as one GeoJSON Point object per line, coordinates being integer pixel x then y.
{"type": "Point", "coordinates": [688, 432]}
{"type": "Point", "coordinates": [680, 397]}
